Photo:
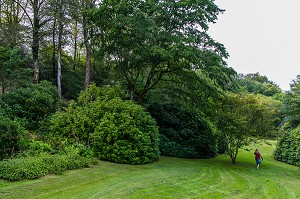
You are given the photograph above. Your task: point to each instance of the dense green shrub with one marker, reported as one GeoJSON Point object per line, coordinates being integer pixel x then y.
{"type": "Point", "coordinates": [118, 131]}
{"type": "Point", "coordinates": [31, 147]}
{"type": "Point", "coordinates": [288, 147]}
{"type": "Point", "coordinates": [94, 93]}
{"type": "Point", "coordinates": [126, 134]}
{"type": "Point", "coordinates": [184, 132]}
{"type": "Point", "coordinates": [43, 164]}
{"type": "Point", "coordinates": [10, 135]}
{"type": "Point", "coordinates": [33, 103]}
{"type": "Point", "coordinates": [15, 68]}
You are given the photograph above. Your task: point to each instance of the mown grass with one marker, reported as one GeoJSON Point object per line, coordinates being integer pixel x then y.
{"type": "Point", "coordinates": [169, 178]}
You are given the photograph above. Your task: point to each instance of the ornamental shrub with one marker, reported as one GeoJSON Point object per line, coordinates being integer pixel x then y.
{"type": "Point", "coordinates": [184, 132]}
{"type": "Point", "coordinates": [10, 135]}
{"type": "Point", "coordinates": [118, 131]}
{"type": "Point", "coordinates": [42, 164]}
{"type": "Point", "coordinates": [126, 134]}
{"type": "Point", "coordinates": [288, 147]}
{"type": "Point", "coordinates": [33, 103]}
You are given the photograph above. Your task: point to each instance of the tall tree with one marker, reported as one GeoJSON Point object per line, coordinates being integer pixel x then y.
{"type": "Point", "coordinates": [147, 40]}
{"type": "Point", "coordinates": [11, 28]}
{"type": "Point", "coordinates": [86, 37]}
{"type": "Point", "coordinates": [242, 116]}
{"type": "Point", "coordinates": [61, 12]}
{"type": "Point", "coordinates": [258, 84]}
{"type": "Point", "coordinates": [36, 12]}
{"type": "Point", "coordinates": [292, 104]}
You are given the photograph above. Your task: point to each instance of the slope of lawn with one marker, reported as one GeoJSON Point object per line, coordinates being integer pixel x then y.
{"type": "Point", "coordinates": [169, 178]}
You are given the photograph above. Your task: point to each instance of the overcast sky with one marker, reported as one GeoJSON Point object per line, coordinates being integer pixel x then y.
{"type": "Point", "coordinates": [261, 36]}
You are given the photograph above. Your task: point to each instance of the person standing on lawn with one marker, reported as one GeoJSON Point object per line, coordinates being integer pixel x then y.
{"type": "Point", "coordinates": [258, 158]}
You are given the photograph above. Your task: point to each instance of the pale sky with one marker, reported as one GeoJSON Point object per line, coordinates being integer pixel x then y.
{"type": "Point", "coordinates": [261, 36]}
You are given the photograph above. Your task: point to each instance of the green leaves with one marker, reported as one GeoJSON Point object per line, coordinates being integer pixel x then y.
{"type": "Point", "coordinates": [147, 40]}
{"type": "Point", "coordinates": [184, 132]}
{"type": "Point", "coordinates": [288, 147]}
{"type": "Point", "coordinates": [119, 131]}
{"type": "Point", "coordinates": [10, 135]}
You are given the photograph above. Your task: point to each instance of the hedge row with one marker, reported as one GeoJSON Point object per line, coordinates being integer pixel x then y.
{"type": "Point", "coordinates": [41, 165]}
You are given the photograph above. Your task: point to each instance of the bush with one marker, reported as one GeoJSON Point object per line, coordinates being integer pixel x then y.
{"type": "Point", "coordinates": [102, 120]}
{"type": "Point", "coordinates": [183, 132]}
{"type": "Point", "coordinates": [288, 147]}
{"type": "Point", "coordinates": [33, 103]}
{"type": "Point", "coordinates": [41, 165]}
{"type": "Point", "coordinates": [34, 147]}
{"type": "Point", "coordinates": [10, 135]}
{"type": "Point", "coordinates": [126, 134]}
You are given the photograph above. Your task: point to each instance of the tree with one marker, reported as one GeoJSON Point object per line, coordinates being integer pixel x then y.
{"type": "Point", "coordinates": [36, 12]}
{"type": "Point", "coordinates": [11, 28]}
{"type": "Point", "coordinates": [145, 41]}
{"type": "Point", "coordinates": [288, 147]}
{"type": "Point", "coordinates": [291, 107]}
{"type": "Point", "coordinates": [243, 116]}
{"type": "Point", "coordinates": [258, 84]}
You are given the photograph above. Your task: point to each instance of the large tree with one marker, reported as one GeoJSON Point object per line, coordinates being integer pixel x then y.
{"type": "Point", "coordinates": [243, 116]}
{"type": "Point", "coordinates": [292, 104]}
{"type": "Point", "coordinates": [147, 40]}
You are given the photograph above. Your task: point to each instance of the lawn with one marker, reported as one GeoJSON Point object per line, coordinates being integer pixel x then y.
{"type": "Point", "coordinates": [169, 178]}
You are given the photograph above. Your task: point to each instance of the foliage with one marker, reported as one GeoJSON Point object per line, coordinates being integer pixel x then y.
{"type": "Point", "coordinates": [288, 147]}
{"type": "Point", "coordinates": [30, 147]}
{"type": "Point", "coordinates": [145, 41]}
{"type": "Point", "coordinates": [10, 135]}
{"type": "Point", "coordinates": [81, 118]}
{"type": "Point", "coordinates": [291, 107]}
{"type": "Point", "coordinates": [33, 103]}
{"type": "Point", "coordinates": [184, 132]}
{"type": "Point", "coordinates": [14, 68]}
{"type": "Point", "coordinates": [126, 134]}
{"type": "Point", "coordinates": [119, 131]}
{"type": "Point", "coordinates": [43, 164]}
{"type": "Point", "coordinates": [258, 84]}
{"type": "Point", "coordinates": [72, 73]}
{"type": "Point", "coordinates": [103, 93]}
{"type": "Point", "coordinates": [243, 115]}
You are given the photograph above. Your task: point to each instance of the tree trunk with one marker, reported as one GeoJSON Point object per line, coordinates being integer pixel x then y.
{"type": "Point", "coordinates": [59, 47]}
{"type": "Point", "coordinates": [35, 42]}
{"type": "Point", "coordinates": [54, 49]}
{"type": "Point", "coordinates": [88, 55]}
{"type": "Point", "coordinates": [59, 60]}
{"type": "Point", "coordinates": [75, 46]}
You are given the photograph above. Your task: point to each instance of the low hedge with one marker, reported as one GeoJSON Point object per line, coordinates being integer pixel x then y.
{"type": "Point", "coordinates": [41, 165]}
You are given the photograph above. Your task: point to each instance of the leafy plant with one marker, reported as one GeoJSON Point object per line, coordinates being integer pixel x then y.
{"type": "Point", "coordinates": [42, 164]}
{"type": "Point", "coordinates": [10, 135]}
{"type": "Point", "coordinates": [126, 134]}
{"type": "Point", "coordinates": [184, 132]}
{"type": "Point", "coordinates": [33, 103]}
{"type": "Point", "coordinates": [288, 147]}
{"type": "Point", "coordinates": [117, 130]}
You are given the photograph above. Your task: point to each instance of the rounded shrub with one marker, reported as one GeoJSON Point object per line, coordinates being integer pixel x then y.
{"type": "Point", "coordinates": [126, 134]}
{"type": "Point", "coordinates": [10, 135]}
{"type": "Point", "coordinates": [118, 131]}
{"type": "Point", "coordinates": [33, 103]}
{"type": "Point", "coordinates": [288, 147]}
{"type": "Point", "coordinates": [184, 132]}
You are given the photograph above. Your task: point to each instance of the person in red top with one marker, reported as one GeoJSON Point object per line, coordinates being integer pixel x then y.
{"type": "Point", "coordinates": [258, 158]}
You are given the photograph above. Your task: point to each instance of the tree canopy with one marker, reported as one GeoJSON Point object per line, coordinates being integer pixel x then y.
{"type": "Point", "coordinates": [147, 40]}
